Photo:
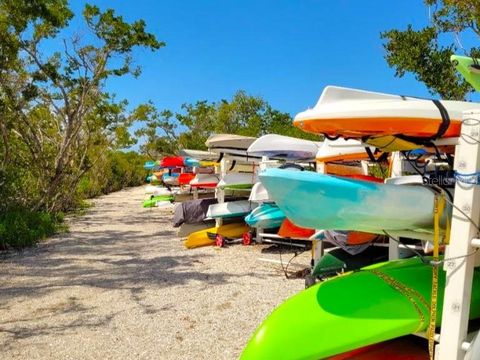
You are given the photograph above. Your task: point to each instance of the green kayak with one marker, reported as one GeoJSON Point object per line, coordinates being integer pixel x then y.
{"type": "Point", "coordinates": [469, 68]}
{"type": "Point", "coordinates": [152, 202]}
{"type": "Point", "coordinates": [378, 303]}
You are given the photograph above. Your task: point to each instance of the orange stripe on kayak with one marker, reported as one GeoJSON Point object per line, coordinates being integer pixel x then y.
{"type": "Point", "coordinates": [358, 127]}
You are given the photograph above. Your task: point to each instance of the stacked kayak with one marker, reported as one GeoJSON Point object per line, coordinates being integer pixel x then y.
{"type": "Point", "coordinates": [392, 300]}
{"type": "Point", "coordinates": [206, 237]}
{"type": "Point", "coordinates": [355, 113]}
{"type": "Point", "coordinates": [156, 200]}
{"type": "Point", "coordinates": [284, 147]}
{"type": "Point", "coordinates": [230, 209]}
{"type": "Point", "coordinates": [266, 216]}
{"type": "Point", "coordinates": [237, 181]}
{"type": "Point", "coordinates": [334, 203]}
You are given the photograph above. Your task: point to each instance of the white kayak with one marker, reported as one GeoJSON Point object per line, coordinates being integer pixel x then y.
{"type": "Point", "coordinates": [205, 180]}
{"type": "Point", "coordinates": [234, 146]}
{"type": "Point", "coordinates": [199, 154]}
{"type": "Point", "coordinates": [230, 209]}
{"type": "Point", "coordinates": [156, 190]}
{"type": "Point", "coordinates": [259, 193]}
{"type": "Point", "coordinates": [342, 150]}
{"type": "Point", "coordinates": [284, 147]}
{"type": "Point", "coordinates": [357, 113]}
{"type": "Point", "coordinates": [236, 180]}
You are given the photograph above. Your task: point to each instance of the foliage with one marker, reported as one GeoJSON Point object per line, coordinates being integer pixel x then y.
{"type": "Point", "coordinates": [22, 227]}
{"type": "Point", "coordinates": [56, 117]}
{"type": "Point", "coordinates": [424, 52]}
{"type": "Point", "coordinates": [244, 115]}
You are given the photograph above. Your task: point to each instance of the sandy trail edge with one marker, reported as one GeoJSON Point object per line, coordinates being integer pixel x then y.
{"type": "Point", "coordinates": [120, 285]}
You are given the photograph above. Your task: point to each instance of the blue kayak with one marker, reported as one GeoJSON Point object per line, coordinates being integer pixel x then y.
{"type": "Point", "coordinates": [327, 202]}
{"type": "Point", "coordinates": [266, 216]}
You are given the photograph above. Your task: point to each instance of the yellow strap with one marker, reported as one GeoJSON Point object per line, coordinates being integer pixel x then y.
{"type": "Point", "coordinates": [439, 206]}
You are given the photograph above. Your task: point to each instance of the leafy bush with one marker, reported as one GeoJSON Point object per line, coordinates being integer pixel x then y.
{"type": "Point", "coordinates": [20, 228]}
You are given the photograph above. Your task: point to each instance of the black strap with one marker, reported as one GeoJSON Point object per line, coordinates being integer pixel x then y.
{"type": "Point", "coordinates": [445, 120]}
{"type": "Point", "coordinates": [220, 157]}
{"type": "Point", "coordinates": [234, 162]}
{"type": "Point", "coordinates": [370, 154]}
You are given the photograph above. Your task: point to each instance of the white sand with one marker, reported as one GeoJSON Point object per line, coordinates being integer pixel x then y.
{"type": "Point", "coordinates": [120, 285]}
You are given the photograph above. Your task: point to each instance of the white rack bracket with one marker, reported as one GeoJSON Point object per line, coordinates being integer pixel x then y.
{"type": "Point", "coordinates": [459, 270]}
{"type": "Point", "coordinates": [220, 193]}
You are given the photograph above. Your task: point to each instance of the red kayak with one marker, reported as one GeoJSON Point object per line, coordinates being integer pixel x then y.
{"type": "Point", "coordinates": [172, 161]}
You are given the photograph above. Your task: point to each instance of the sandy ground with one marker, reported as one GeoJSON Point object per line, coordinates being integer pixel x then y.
{"type": "Point", "coordinates": [120, 285]}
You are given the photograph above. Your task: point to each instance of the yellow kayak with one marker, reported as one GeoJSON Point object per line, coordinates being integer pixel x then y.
{"type": "Point", "coordinates": [202, 238]}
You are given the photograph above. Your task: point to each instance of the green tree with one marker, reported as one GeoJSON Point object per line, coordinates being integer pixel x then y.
{"type": "Point", "coordinates": [56, 119]}
{"type": "Point", "coordinates": [426, 54]}
{"type": "Point", "coordinates": [244, 114]}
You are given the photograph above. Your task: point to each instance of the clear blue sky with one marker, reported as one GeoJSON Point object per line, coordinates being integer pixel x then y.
{"type": "Point", "coordinates": [284, 50]}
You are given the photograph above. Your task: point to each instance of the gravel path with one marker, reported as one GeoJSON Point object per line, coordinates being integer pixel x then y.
{"type": "Point", "coordinates": [120, 285]}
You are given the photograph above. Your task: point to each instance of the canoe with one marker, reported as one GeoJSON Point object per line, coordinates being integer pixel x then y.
{"type": "Point", "coordinates": [356, 113]}
{"type": "Point", "coordinates": [327, 202]}
{"type": "Point", "coordinates": [341, 150]}
{"type": "Point", "coordinates": [172, 162]}
{"type": "Point", "coordinates": [265, 216]}
{"type": "Point", "coordinates": [469, 69]}
{"type": "Point", "coordinates": [230, 209]}
{"type": "Point", "coordinates": [237, 181]}
{"type": "Point", "coordinates": [328, 319]}
{"type": "Point", "coordinates": [199, 155]}
{"type": "Point", "coordinates": [259, 193]}
{"type": "Point", "coordinates": [207, 237]}
{"type": "Point", "coordinates": [284, 147]}
{"type": "Point", "coordinates": [154, 200]}
{"type": "Point", "coordinates": [204, 181]}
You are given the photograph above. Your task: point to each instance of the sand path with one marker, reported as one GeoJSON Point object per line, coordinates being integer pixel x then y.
{"type": "Point", "coordinates": [120, 285]}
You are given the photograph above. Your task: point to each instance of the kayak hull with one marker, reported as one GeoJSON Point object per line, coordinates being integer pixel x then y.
{"type": "Point", "coordinates": [327, 202]}
{"type": "Point", "coordinates": [202, 238]}
{"type": "Point", "coordinates": [266, 216]}
{"type": "Point", "coordinates": [230, 209]}
{"type": "Point", "coordinates": [313, 323]}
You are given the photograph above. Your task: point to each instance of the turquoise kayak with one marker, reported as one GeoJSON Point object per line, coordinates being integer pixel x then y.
{"type": "Point", "coordinates": [318, 201]}
{"type": "Point", "coordinates": [378, 303]}
{"type": "Point", "coordinates": [266, 216]}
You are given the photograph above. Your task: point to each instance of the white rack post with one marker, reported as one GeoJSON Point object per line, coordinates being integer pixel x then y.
{"type": "Point", "coordinates": [459, 271]}
{"type": "Point", "coordinates": [220, 193]}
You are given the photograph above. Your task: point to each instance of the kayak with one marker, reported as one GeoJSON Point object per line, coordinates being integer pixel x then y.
{"type": "Point", "coordinates": [229, 143]}
{"type": "Point", "coordinates": [265, 216]}
{"type": "Point", "coordinates": [341, 150]}
{"type": "Point", "coordinates": [469, 68]}
{"type": "Point", "coordinates": [284, 147]}
{"type": "Point", "coordinates": [356, 113]}
{"type": "Point", "coordinates": [381, 302]}
{"type": "Point", "coordinates": [237, 181]}
{"type": "Point", "coordinates": [199, 155]}
{"type": "Point", "coordinates": [290, 230]}
{"type": "Point", "coordinates": [185, 178]}
{"type": "Point", "coordinates": [204, 181]}
{"type": "Point", "coordinates": [186, 229]}
{"type": "Point", "coordinates": [259, 193]}
{"type": "Point", "coordinates": [207, 237]}
{"type": "Point", "coordinates": [152, 202]}
{"type": "Point", "coordinates": [230, 209]}
{"type": "Point", "coordinates": [191, 162]}
{"type": "Point", "coordinates": [404, 348]}
{"type": "Point", "coordinates": [156, 190]}
{"type": "Point", "coordinates": [149, 165]}
{"type": "Point", "coordinates": [327, 202]}
{"type": "Point", "coordinates": [172, 162]}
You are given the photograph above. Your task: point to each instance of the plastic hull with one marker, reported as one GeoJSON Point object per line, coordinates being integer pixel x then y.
{"type": "Point", "coordinates": [329, 319]}
{"type": "Point", "coordinates": [230, 209]}
{"type": "Point", "coordinates": [202, 238]}
{"type": "Point", "coordinates": [332, 203]}
{"type": "Point", "coordinates": [266, 216]}
{"type": "Point", "coordinates": [356, 113]}
{"type": "Point", "coordinates": [284, 147]}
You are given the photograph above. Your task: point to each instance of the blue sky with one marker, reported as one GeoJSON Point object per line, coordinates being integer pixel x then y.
{"type": "Point", "coordinates": [284, 50]}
